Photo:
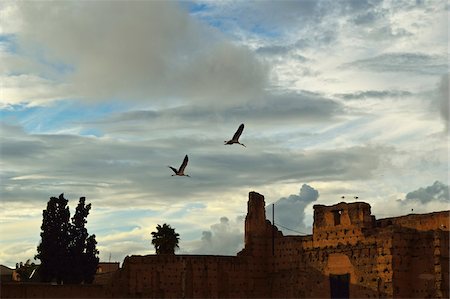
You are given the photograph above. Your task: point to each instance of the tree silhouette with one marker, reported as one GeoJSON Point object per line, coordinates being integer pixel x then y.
{"type": "Point", "coordinates": [90, 260]}
{"type": "Point", "coordinates": [78, 247]}
{"type": "Point", "coordinates": [53, 249]}
{"type": "Point", "coordinates": [165, 239]}
{"type": "Point", "coordinates": [25, 271]}
{"type": "Point", "coordinates": [67, 252]}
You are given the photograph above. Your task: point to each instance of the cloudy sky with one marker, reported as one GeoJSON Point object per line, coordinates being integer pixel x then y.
{"type": "Point", "coordinates": [339, 98]}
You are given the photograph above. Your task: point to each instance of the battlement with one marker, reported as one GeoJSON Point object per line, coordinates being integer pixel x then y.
{"type": "Point", "coordinates": [342, 222]}
{"type": "Point", "coordinates": [342, 215]}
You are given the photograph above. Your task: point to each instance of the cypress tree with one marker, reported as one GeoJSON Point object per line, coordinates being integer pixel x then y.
{"type": "Point", "coordinates": [90, 260]}
{"type": "Point", "coordinates": [53, 249]}
{"type": "Point", "coordinates": [77, 246]}
{"type": "Point", "coordinates": [66, 251]}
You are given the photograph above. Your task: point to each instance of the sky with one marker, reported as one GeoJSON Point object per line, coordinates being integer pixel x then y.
{"type": "Point", "coordinates": [338, 98]}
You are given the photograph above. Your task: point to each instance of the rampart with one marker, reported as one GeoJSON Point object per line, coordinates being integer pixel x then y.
{"type": "Point", "coordinates": [350, 254]}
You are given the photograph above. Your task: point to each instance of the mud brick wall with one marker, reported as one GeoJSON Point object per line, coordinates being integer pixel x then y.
{"type": "Point", "coordinates": [441, 263]}
{"type": "Point", "coordinates": [383, 258]}
{"type": "Point", "coordinates": [420, 222]}
{"type": "Point", "coordinates": [179, 276]}
{"type": "Point", "coordinates": [41, 290]}
{"type": "Point", "coordinates": [300, 270]}
{"type": "Point", "coordinates": [341, 223]}
{"type": "Point", "coordinates": [414, 272]}
{"type": "Point", "coordinates": [403, 257]}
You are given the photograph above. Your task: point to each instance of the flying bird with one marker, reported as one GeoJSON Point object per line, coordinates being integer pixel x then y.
{"type": "Point", "coordinates": [180, 171]}
{"type": "Point", "coordinates": [236, 136]}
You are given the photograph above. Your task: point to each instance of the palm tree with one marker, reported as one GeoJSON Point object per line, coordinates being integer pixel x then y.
{"type": "Point", "coordinates": [165, 239]}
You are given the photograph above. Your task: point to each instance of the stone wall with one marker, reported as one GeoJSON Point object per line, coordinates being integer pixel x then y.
{"type": "Point", "coordinates": [41, 290]}
{"type": "Point", "coordinates": [394, 257]}
{"type": "Point", "coordinates": [188, 276]}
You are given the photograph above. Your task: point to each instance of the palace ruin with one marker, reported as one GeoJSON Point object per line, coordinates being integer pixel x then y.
{"type": "Point", "coordinates": [350, 254]}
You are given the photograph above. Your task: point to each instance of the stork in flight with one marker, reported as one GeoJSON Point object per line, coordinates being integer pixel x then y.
{"type": "Point", "coordinates": [180, 171]}
{"type": "Point", "coordinates": [236, 136]}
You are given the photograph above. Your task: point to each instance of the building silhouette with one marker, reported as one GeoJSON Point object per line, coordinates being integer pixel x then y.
{"type": "Point", "coordinates": [350, 254]}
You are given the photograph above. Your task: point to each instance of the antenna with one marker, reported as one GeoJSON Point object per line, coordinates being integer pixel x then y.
{"type": "Point", "coordinates": [110, 257]}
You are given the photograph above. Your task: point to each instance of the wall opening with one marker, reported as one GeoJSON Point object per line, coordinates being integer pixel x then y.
{"type": "Point", "coordinates": [337, 217]}
{"type": "Point", "coordinates": [340, 285]}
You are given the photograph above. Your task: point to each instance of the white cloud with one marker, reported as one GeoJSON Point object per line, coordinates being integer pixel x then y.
{"type": "Point", "coordinates": [224, 238]}
{"type": "Point", "coordinates": [148, 51]}
{"type": "Point", "coordinates": [31, 90]}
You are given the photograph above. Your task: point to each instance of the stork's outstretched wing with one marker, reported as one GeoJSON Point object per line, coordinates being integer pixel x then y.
{"type": "Point", "coordinates": [173, 168]}
{"type": "Point", "coordinates": [238, 132]}
{"type": "Point", "coordinates": [183, 165]}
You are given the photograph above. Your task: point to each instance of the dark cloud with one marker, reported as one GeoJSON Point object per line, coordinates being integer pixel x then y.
{"type": "Point", "coordinates": [285, 51]}
{"type": "Point", "coordinates": [436, 192]}
{"type": "Point", "coordinates": [107, 169]}
{"type": "Point", "coordinates": [145, 50]}
{"type": "Point", "coordinates": [290, 211]}
{"type": "Point", "coordinates": [375, 94]}
{"type": "Point", "coordinates": [365, 18]}
{"type": "Point", "coordinates": [355, 6]}
{"type": "Point", "coordinates": [301, 107]}
{"type": "Point", "coordinates": [403, 62]}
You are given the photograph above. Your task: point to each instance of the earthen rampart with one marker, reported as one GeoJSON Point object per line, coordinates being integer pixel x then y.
{"type": "Point", "coordinates": [349, 255]}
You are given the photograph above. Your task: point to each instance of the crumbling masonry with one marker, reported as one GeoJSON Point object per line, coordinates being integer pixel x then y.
{"type": "Point", "coordinates": [349, 255]}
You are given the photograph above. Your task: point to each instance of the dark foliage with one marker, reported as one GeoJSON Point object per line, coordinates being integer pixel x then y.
{"type": "Point", "coordinates": [53, 249]}
{"type": "Point", "coordinates": [67, 252]}
{"type": "Point", "coordinates": [26, 271]}
{"type": "Point", "coordinates": [165, 239]}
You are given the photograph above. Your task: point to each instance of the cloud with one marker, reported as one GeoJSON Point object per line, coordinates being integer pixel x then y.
{"type": "Point", "coordinates": [436, 192]}
{"type": "Point", "coordinates": [421, 63]}
{"type": "Point", "coordinates": [266, 18]}
{"type": "Point", "coordinates": [224, 238]}
{"type": "Point", "coordinates": [271, 108]}
{"type": "Point", "coordinates": [443, 98]}
{"type": "Point", "coordinates": [377, 94]}
{"type": "Point", "coordinates": [179, 79]}
{"type": "Point", "coordinates": [427, 199]}
{"type": "Point", "coordinates": [147, 51]}
{"type": "Point", "coordinates": [290, 211]}
{"type": "Point", "coordinates": [136, 168]}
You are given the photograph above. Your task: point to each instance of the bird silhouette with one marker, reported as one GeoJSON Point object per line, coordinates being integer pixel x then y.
{"type": "Point", "coordinates": [236, 136]}
{"type": "Point", "coordinates": [180, 171]}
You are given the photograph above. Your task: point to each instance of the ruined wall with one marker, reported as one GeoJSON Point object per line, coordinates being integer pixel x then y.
{"type": "Point", "coordinates": [41, 290]}
{"type": "Point", "coordinates": [186, 276]}
{"type": "Point", "coordinates": [341, 223]}
{"type": "Point", "coordinates": [420, 222]}
{"type": "Point", "coordinates": [348, 245]}
{"type": "Point", "coordinates": [403, 257]}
